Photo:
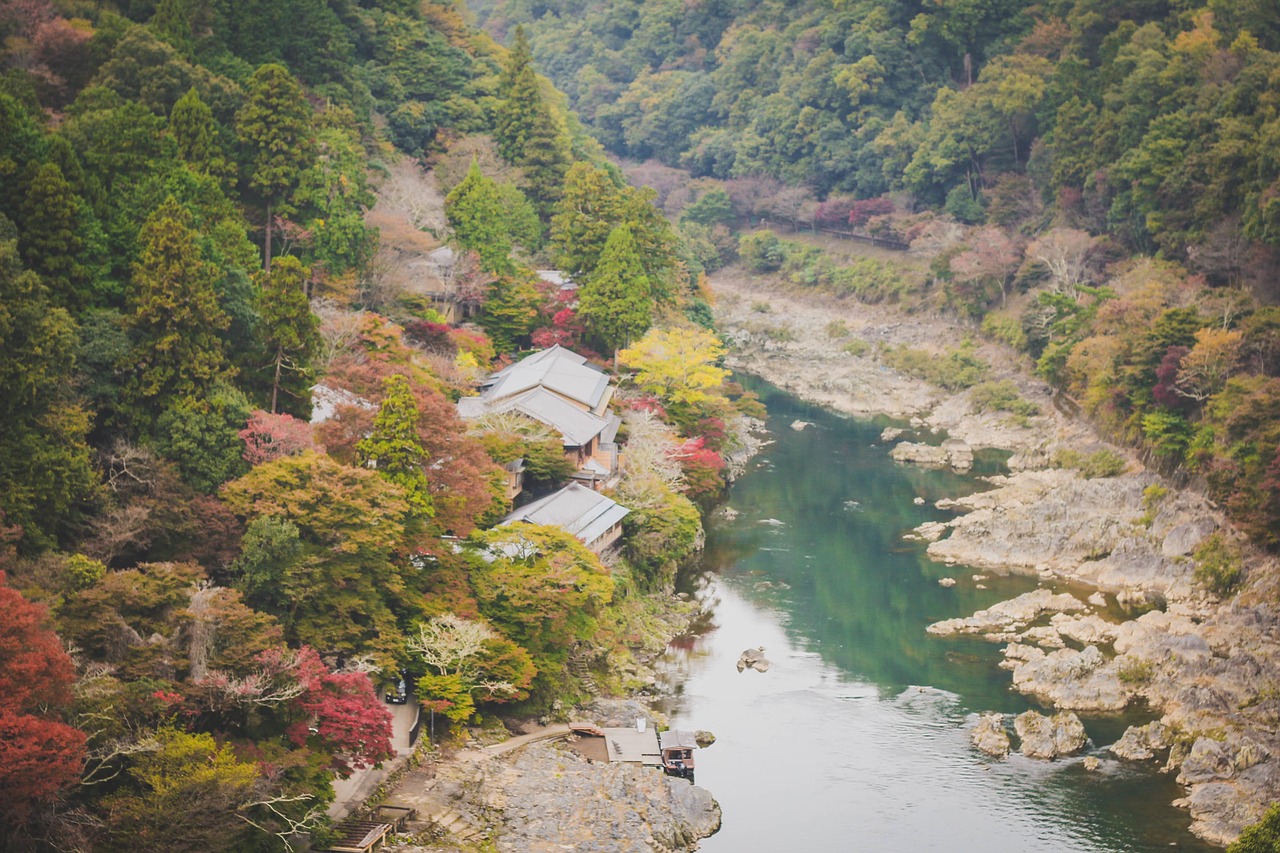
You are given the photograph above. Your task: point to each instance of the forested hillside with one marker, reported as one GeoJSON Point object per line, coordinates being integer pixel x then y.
{"type": "Point", "coordinates": [236, 498]}
{"type": "Point", "coordinates": [1093, 182]}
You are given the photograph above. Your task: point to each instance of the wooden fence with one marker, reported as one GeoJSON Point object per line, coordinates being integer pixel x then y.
{"type": "Point", "coordinates": [882, 242]}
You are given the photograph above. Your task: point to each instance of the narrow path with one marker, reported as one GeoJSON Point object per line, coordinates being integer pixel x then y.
{"type": "Point", "coordinates": [545, 733]}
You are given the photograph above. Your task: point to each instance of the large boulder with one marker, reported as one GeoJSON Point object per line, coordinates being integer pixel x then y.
{"type": "Point", "coordinates": [990, 735]}
{"type": "Point", "coordinates": [1048, 737]}
{"type": "Point", "coordinates": [1139, 743]}
{"type": "Point", "coordinates": [1079, 680]}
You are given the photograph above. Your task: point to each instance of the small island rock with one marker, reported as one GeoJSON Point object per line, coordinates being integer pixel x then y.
{"type": "Point", "coordinates": [1049, 737]}
{"type": "Point", "coordinates": [990, 735]}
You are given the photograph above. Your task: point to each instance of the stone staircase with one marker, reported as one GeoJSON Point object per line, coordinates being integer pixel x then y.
{"type": "Point", "coordinates": [436, 817]}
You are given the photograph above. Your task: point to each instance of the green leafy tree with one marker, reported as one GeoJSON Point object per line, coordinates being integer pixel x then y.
{"type": "Point", "coordinates": [321, 552]}
{"type": "Point", "coordinates": [510, 311]}
{"type": "Point", "coordinates": [20, 145]}
{"type": "Point", "coordinates": [542, 588]}
{"type": "Point", "coordinates": [290, 333]}
{"type": "Point", "coordinates": [175, 318]}
{"type": "Point", "coordinates": [616, 304]}
{"type": "Point", "coordinates": [466, 661]}
{"type": "Point", "coordinates": [188, 774]}
{"type": "Point", "coordinates": [45, 474]}
{"type": "Point", "coordinates": [332, 197]}
{"type": "Point", "coordinates": [393, 448]}
{"type": "Point", "coordinates": [274, 127]}
{"type": "Point", "coordinates": [172, 23]}
{"type": "Point", "coordinates": [710, 208]}
{"type": "Point", "coordinates": [1262, 837]}
{"type": "Point", "coordinates": [202, 437]}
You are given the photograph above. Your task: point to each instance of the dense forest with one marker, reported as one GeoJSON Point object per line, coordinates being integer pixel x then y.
{"type": "Point", "coordinates": [1094, 183]}
{"type": "Point", "coordinates": [237, 501]}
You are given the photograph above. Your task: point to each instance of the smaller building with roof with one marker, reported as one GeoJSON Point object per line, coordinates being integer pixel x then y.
{"type": "Point", "coordinates": [596, 520]}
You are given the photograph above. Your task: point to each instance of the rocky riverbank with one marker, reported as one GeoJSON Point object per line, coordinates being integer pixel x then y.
{"type": "Point", "coordinates": [1147, 632]}
{"type": "Point", "coordinates": [539, 792]}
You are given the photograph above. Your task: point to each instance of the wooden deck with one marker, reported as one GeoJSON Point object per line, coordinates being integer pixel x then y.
{"type": "Point", "coordinates": [629, 745]}
{"type": "Point", "coordinates": [360, 836]}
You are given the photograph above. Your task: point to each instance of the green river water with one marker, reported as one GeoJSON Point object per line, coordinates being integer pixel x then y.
{"type": "Point", "coordinates": [856, 739]}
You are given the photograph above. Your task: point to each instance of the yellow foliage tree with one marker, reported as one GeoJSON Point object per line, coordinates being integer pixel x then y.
{"type": "Point", "coordinates": [1204, 371]}
{"type": "Point", "coordinates": [678, 365]}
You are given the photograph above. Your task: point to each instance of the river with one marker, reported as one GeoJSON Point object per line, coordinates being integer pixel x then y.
{"type": "Point", "coordinates": [857, 738]}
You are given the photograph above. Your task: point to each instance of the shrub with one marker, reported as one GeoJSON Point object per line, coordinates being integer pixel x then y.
{"type": "Point", "coordinates": [1218, 566]}
{"type": "Point", "coordinates": [1001, 396]}
{"type": "Point", "coordinates": [1101, 463]}
{"type": "Point", "coordinates": [762, 251]}
{"type": "Point", "coordinates": [1006, 329]}
{"type": "Point", "coordinates": [856, 347]}
{"type": "Point", "coordinates": [837, 329]}
{"type": "Point", "coordinates": [1136, 671]}
{"type": "Point", "coordinates": [955, 370]}
{"type": "Point", "coordinates": [861, 212]}
{"type": "Point", "coordinates": [1152, 497]}
{"type": "Point", "coordinates": [761, 307]}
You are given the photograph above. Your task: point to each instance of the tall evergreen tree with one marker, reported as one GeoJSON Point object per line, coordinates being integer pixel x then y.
{"type": "Point", "coordinates": [589, 209]}
{"type": "Point", "coordinates": [45, 475]}
{"type": "Point", "coordinates": [53, 236]}
{"type": "Point", "coordinates": [172, 24]}
{"type": "Point", "coordinates": [176, 319]}
{"type": "Point", "coordinates": [290, 333]}
{"type": "Point", "coordinates": [526, 130]}
{"type": "Point", "coordinates": [616, 304]}
{"type": "Point", "coordinates": [191, 126]}
{"type": "Point", "coordinates": [394, 450]}
{"type": "Point", "coordinates": [275, 127]}
{"type": "Point", "coordinates": [20, 145]}
{"type": "Point", "coordinates": [475, 212]}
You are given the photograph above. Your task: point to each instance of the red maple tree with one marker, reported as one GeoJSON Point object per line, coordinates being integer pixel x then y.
{"type": "Point", "coordinates": [39, 754]}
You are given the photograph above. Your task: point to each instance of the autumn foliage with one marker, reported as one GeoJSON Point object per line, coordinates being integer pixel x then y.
{"type": "Point", "coordinates": [39, 754]}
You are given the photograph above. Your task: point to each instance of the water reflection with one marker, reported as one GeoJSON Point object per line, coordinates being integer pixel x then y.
{"type": "Point", "coordinates": [856, 738]}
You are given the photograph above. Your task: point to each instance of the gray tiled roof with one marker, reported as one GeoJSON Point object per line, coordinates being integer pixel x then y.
{"type": "Point", "coordinates": [557, 369]}
{"type": "Point", "coordinates": [576, 509]}
{"type": "Point", "coordinates": [574, 425]}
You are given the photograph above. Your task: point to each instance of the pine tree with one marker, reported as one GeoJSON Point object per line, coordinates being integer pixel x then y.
{"type": "Point", "coordinates": [394, 450]}
{"type": "Point", "coordinates": [518, 84]}
{"type": "Point", "coordinates": [20, 145]}
{"type": "Point", "coordinates": [275, 127]}
{"type": "Point", "coordinates": [175, 314]}
{"type": "Point", "coordinates": [53, 243]}
{"type": "Point", "coordinates": [545, 160]}
{"type": "Point", "coordinates": [615, 304]}
{"type": "Point", "coordinates": [589, 209]}
{"type": "Point", "coordinates": [172, 24]}
{"type": "Point", "coordinates": [509, 312]}
{"type": "Point", "coordinates": [290, 332]}
{"type": "Point", "coordinates": [191, 126]}
{"type": "Point", "coordinates": [526, 130]}
{"type": "Point", "coordinates": [45, 475]}
{"type": "Point", "coordinates": [477, 216]}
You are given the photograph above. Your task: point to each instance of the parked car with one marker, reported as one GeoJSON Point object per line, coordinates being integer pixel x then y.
{"type": "Point", "coordinates": [398, 694]}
